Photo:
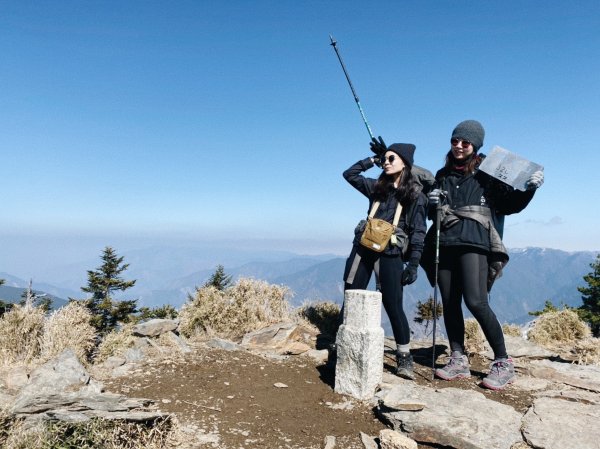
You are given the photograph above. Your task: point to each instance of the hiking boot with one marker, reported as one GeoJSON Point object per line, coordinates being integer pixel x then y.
{"type": "Point", "coordinates": [456, 368]}
{"type": "Point", "coordinates": [502, 373]}
{"type": "Point", "coordinates": [405, 367]}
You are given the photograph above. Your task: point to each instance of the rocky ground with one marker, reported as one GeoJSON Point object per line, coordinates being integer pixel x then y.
{"type": "Point", "coordinates": [274, 389]}
{"type": "Point", "coordinates": [236, 399]}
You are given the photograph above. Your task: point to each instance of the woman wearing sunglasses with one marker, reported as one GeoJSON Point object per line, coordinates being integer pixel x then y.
{"type": "Point", "coordinates": [397, 197]}
{"type": "Point", "coordinates": [471, 253]}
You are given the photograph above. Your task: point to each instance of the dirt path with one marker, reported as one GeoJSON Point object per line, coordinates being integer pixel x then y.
{"type": "Point", "coordinates": [233, 397]}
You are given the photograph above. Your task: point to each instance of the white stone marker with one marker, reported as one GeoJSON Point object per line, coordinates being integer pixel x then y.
{"type": "Point", "coordinates": [359, 343]}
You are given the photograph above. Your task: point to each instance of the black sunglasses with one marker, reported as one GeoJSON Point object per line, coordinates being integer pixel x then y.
{"type": "Point", "coordinates": [454, 141]}
{"type": "Point", "coordinates": [391, 158]}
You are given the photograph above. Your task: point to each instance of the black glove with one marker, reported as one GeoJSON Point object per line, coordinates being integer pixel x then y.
{"type": "Point", "coordinates": [409, 275]}
{"type": "Point", "coordinates": [378, 147]}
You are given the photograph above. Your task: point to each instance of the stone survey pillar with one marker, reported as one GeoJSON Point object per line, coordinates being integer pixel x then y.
{"type": "Point", "coordinates": [359, 343]}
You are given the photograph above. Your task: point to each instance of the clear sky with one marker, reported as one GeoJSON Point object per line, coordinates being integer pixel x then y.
{"type": "Point", "coordinates": [233, 120]}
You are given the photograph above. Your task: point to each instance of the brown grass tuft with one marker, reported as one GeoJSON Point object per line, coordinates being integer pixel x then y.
{"type": "Point", "coordinates": [68, 327]}
{"type": "Point", "coordinates": [115, 342]}
{"type": "Point", "coordinates": [587, 351]}
{"type": "Point", "coordinates": [511, 329]}
{"type": "Point", "coordinates": [474, 338]}
{"type": "Point", "coordinates": [325, 316]}
{"type": "Point", "coordinates": [21, 334]}
{"type": "Point", "coordinates": [246, 306]}
{"type": "Point", "coordinates": [563, 326]}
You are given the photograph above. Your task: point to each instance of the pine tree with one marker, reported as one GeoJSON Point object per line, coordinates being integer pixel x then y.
{"type": "Point", "coordinates": [425, 312]}
{"type": "Point", "coordinates": [102, 282]}
{"type": "Point", "coordinates": [590, 310]}
{"type": "Point", "coordinates": [219, 279]}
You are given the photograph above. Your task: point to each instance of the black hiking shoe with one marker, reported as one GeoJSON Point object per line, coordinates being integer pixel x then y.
{"type": "Point", "coordinates": [405, 368]}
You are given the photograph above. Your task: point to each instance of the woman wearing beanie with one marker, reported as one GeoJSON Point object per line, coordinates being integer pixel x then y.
{"type": "Point", "coordinates": [394, 197]}
{"type": "Point", "coordinates": [471, 253]}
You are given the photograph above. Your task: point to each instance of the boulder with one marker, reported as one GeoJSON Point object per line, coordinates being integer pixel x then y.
{"type": "Point", "coordinates": [553, 423]}
{"type": "Point", "coordinates": [155, 327]}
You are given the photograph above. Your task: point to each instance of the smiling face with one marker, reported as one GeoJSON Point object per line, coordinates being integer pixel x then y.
{"type": "Point", "coordinates": [392, 163]}
{"type": "Point", "coordinates": [461, 149]}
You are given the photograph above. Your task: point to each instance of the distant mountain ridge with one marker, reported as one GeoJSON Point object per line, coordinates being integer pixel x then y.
{"type": "Point", "coordinates": [532, 276]}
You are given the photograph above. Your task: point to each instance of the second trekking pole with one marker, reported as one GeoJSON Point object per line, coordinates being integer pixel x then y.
{"type": "Point", "coordinates": [438, 217]}
{"type": "Point", "coordinates": [362, 114]}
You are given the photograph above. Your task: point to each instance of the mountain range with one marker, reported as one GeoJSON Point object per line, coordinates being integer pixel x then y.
{"type": "Point", "coordinates": [167, 275]}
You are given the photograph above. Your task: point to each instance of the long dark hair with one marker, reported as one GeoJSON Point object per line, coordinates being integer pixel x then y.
{"type": "Point", "coordinates": [469, 166]}
{"type": "Point", "coordinates": [407, 190]}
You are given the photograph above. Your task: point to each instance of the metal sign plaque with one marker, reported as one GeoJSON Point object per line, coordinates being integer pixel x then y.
{"type": "Point", "coordinates": [509, 167]}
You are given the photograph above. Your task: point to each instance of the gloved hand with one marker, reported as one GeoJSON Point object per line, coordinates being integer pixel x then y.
{"type": "Point", "coordinates": [378, 147]}
{"type": "Point", "coordinates": [409, 275]}
{"type": "Point", "coordinates": [377, 161]}
{"type": "Point", "coordinates": [434, 196]}
{"type": "Point", "coordinates": [536, 180]}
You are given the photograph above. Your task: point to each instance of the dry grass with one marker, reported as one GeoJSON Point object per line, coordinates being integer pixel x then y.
{"type": "Point", "coordinates": [115, 342]}
{"type": "Point", "coordinates": [563, 326]}
{"type": "Point", "coordinates": [474, 338]}
{"type": "Point", "coordinates": [68, 327]}
{"type": "Point", "coordinates": [246, 306]}
{"type": "Point", "coordinates": [511, 329]}
{"type": "Point", "coordinates": [95, 433]}
{"type": "Point", "coordinates": [21, 331]}
{"type": "Point", "coordinates": [587, 351]}
{"type": "Point", "coordinates": [325, 316]}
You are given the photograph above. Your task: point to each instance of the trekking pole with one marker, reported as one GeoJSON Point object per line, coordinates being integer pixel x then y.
{"type": "Point", "coordinates": [438, 214]}
{"type": "Point", "coordinates": [362, 114]}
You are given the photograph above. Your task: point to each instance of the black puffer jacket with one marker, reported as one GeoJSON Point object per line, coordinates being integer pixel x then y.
{"type": "Point", "coordinates": [478, 189]}
{"type": "Point", "coordinates": [412, 219]}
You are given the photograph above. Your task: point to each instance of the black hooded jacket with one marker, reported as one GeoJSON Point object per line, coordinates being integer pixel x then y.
{"type": "Point", "coordinates": [477, 189]}
{"type": "Point", "coordinates": [412, 220]}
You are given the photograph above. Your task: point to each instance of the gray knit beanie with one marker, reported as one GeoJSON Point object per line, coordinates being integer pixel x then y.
{"type": "Point", "coordinates": [470, 130]}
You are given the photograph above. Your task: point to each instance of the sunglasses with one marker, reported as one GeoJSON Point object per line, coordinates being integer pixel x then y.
{"type": "Point", "coordinates": [465, 143]}
{"type": "Point", "coordinates": [391, 158]}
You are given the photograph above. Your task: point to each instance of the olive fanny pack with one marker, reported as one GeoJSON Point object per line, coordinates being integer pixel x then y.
{"type": "Point", "coordinates": [378, 233]}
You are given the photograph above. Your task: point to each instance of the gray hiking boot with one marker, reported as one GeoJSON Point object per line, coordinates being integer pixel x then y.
{"type": "Point", "coordinates": [502, 373]}
{"type": "Point", "coordinates": [456, 368]}
{"type": "Point", "coordinates": [405, 367]}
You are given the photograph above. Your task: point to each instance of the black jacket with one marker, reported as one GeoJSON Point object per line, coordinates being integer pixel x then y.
{"type": "Point", "coordinates": [412, 220]}
{"type": "Point", "coordinates": [478, 189]}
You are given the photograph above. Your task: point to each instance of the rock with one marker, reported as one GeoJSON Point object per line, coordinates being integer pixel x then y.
{"type": "Point", "coordinates": [585, 397]}
{"type": "Point", "coordinates": [329, 442]}
{"type": "Point", "coordinates": [390, 439]}
{"type": "Point", "coordinates": [580, 376]}
{"type": "Point", "coordinates": [155, 327]}
{"type": "Point", "coordinates": [281, 338]}
{"type": "Point", "coordinates": [220, 343]}
{"type": "Point", "coordinates": [318, 355]}
{"type": "Point", "coordinates": [16, 378]}
{"type": "Point", "coordinates": [280, 385]}
{"type": "Point", "coordinates": [113, 362]}
{"type": "Point", "coordinates": [179, 342]}
{"type": "Point", "coordinates": [134, 355]}
{"type": "Point", "coordinates": [368, 441]}
{"type": "Point", "coordinates": [519, 347]}
{"type": "Point", "coordinates": [359, 345]}
{"type": "Point", "coordinates": [559, 423]}
{"type": "Point", "coordinates": [451, 417]}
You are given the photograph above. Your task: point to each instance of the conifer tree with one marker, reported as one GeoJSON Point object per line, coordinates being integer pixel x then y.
{"type": "Point", "coordinates": [219, 279]}
{"type": "Point", "coordinates": [590, 310]}
{"type": "Point", "coordinates": [102, 282]}
{"type": "Point", "coordinates": [425, 312]}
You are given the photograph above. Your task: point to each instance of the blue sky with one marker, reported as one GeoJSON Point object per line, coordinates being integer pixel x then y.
{"type": "Point", "coordinates": [146, 121]}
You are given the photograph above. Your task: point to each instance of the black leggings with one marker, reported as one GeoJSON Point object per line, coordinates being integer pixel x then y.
{"type": "Point", "coordinates": [390, 275]}
{"type": "Point", "coordinates": [463, 273]}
